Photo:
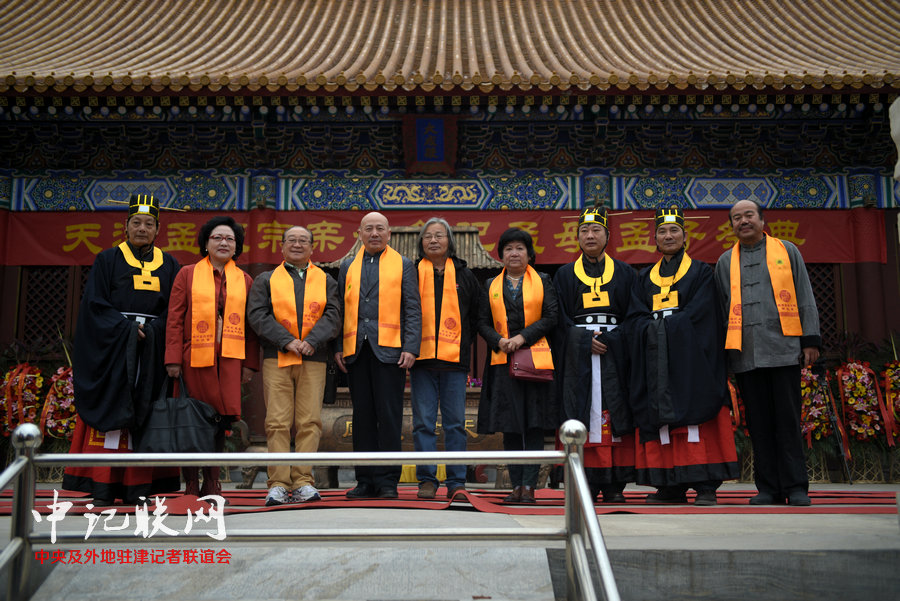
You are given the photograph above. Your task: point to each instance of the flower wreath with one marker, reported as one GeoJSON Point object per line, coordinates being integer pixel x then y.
{"type": "Point", "coordinates": [20, 396]}
{"type": "Point", "coordinates": [891, 375]}
{"type": "Point", "coordinates": [58, 415]}
{"type": "Point", "coordinates": [861, 398]}
{"type": "Point", "coordinates": [814, 410]}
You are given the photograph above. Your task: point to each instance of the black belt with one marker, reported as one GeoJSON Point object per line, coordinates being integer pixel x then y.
{"type": "Point", "coordinates": [598, 319]}
{"type": "Point", "coordinates": [139, 317]}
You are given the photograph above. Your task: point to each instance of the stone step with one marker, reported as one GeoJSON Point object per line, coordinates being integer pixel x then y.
{"type": "Point", "coordinates": [316, 572]}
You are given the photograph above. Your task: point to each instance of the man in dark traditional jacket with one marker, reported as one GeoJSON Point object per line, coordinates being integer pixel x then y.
{"type": "Point", "coordinates": [118, 360]}
{"type": "Point", "coordinates": [679, 387]}
{"type": "Point", "coordinates": [772, 329]}
{"type": "Point", "coordinates": [594, 293]}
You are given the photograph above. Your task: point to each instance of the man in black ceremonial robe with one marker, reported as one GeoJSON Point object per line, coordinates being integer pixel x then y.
{"type": "Point", "coordinates": [594, 292]}
{"type": "Point", "coordinates": [118, 364]}
{"type": "Point", "coordinates": [679, 391]}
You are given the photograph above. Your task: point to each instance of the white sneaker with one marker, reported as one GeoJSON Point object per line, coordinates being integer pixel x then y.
{"type": "Point", "coordinates": [278, 495]}
{"type": "Point", "coordinates": [305, 494]}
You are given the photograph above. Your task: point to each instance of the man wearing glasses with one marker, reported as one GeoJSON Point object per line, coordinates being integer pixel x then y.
{"type": "Point", "coordinates": [294, 310]}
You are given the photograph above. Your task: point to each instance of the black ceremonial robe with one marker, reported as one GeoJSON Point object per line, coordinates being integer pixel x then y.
{"type": "Point", "coordinates": [678, 378]}
{"type": "Point", "coordinates": [116, 376]}
{"type": "Point", "coordinates": [585, 308]}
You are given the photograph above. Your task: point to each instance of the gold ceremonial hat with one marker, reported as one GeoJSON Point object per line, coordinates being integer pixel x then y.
{"type": "Point", "coordinates": [594, 215]}
{"type": "Point", "coordinates": [143, 204]}
{"type": "Point", "coordinates": [673, 214]}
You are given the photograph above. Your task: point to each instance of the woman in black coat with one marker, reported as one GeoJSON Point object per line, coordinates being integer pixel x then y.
{"type": "Point", "coordinates": [518, 310]}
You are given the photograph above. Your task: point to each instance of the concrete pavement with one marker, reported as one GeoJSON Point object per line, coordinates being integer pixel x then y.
{"type": "Point", "coordinates": [725, 556]}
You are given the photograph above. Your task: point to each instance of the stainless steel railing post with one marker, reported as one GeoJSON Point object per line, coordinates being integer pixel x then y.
{"type": "Point", "coordinates": [25, 439]}
{"type": "Point", "coordinates": [573, 435]}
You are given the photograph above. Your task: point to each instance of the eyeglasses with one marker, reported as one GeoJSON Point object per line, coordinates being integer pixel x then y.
{"type": "Point", "coordinates": [292, 241]}
{"type": "Point", "coordinates": [217, 239]}
{"type": "Point", "coordinates": [430, 237]}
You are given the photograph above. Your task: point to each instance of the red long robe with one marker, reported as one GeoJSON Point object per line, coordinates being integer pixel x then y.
{"type": "Point", "coordinates": [220, 384]}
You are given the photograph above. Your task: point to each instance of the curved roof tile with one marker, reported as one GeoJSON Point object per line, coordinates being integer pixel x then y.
{"type": "Point", "coordinates": [409, 45]}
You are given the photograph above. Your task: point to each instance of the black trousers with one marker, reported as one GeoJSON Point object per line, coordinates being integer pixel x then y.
{"type": "Point", "coordinates": [376, 390]}
{"type": "Point", "coordinates": [772, 400]}
{"type": "Point", "coordinates": [531, 440]}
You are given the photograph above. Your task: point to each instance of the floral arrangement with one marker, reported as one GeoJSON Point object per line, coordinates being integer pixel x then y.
{"type": "Point", "coordinates": [20, 396]}
{"type": "Point", "coordinates": [860, 397]}
{"type": "Point", "coordinates": [738, 411]}
{"type": "Point", "coordinates": [58, 415]}
{"type": "Point", "coordinates": [891, 376]}
{"type": "Point", "coordinates": [814, 409]}
{"type": "Point", "coordinates": [739, 420]}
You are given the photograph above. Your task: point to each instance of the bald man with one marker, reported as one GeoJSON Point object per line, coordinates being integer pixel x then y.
{"type": "Point", "coordinates": [772, 330]}
{"type": "Point", "coordinates": [382, 330]}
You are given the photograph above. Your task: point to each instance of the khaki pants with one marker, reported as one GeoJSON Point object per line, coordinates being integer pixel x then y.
{"type": "Point", "coordinates": [293, 397]}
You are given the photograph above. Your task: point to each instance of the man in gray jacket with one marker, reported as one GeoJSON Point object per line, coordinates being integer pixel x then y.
{"type": "Point", "coordinates": [772, 329]}
{"type": "Point", "coordinates": [294, 311]}
{"type": "Point", "coordinates": [382, 319]}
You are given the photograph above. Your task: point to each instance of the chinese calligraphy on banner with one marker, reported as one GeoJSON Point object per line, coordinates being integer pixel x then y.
{"type": "Point", "coordinates": [823, 236]}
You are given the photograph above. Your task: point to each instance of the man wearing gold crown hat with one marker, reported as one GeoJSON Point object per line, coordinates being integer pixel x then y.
{"type": "Point", "coordinates": [679, 389]}
{"type": "Point", "coordinates": [594, 294]}
{"type": "Point", "coordinates": [118, 360]}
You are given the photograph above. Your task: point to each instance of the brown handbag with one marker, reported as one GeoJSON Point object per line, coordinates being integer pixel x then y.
{"type": "Point", "coordinates": [521, 367]}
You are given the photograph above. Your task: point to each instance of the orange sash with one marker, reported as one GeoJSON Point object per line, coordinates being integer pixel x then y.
{"type": "Point", "coordinates": [779, 265]}
{"type": "Point", "coordinates": [390, 288]}
{"type": "Point", "coordinates": [532, 300]}
{"type": "Point", "coordinates": [204, 321]}
{"type": "Point", "coordinates": [284, 305]}
{"type": "Point", "coordinates": [449, 337]}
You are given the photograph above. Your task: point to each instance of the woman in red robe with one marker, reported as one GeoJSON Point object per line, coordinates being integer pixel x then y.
{"type": "Point", "coordinates": [208, 342]}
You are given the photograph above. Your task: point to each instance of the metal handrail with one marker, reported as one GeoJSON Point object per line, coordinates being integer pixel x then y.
{"type": "Point", "coordinates": [581, 525]}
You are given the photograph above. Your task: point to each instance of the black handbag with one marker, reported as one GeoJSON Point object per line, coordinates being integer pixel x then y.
{"type": "Point", "coordinates": [521, 367]}
{"type": "Point", "coordinates": [179, 424]}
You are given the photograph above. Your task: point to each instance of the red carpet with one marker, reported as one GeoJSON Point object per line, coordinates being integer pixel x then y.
{"type": "Point", "coordinates": [549, 502]}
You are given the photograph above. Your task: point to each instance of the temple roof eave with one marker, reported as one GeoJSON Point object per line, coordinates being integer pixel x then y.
{"type": "Point", "coordinates": [399, 47]}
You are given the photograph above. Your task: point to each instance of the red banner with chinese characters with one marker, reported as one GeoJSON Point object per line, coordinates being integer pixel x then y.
{"type": "Point", "coordinates": [823, 236]}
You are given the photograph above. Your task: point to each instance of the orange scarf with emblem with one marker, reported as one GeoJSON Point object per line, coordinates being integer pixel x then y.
{"type": "Point", "coordinates": [204, 319]}
{"type": "Point", "coordinates": [532, 301]}
{"type": "Point", "coordinates": [779, 265]}
{"type": "Point", "coordinates": [284, 305]}
{"type": "Point", "coordinates": [444, 344]}
{"type": "Point", "coordinates": [390, 288]}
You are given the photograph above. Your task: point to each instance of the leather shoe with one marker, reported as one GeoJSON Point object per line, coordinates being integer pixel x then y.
{"type": "Point", "coordinates": [387, 492]}
{"type": "Point", "coordinates": [362, 491]}
{"type": "Point", "coordinates": [527, 495]}
{"type": "Point", "coordinates": [798, 498]}
{"type": "Point", "coordinates": [452, 490]}
{"type": "Point", "coordinates": [765, 498]}
{"type": "Point", "coordinates": [615, 497]}
{"type": "Point", "coordinates": [667, 496]}
{"type": "Point", "coordinates": [515, 496]}
{"type": "Point", "coordinates": [427, 490]}
{"type": "Point", "coordinates": [706, 498]}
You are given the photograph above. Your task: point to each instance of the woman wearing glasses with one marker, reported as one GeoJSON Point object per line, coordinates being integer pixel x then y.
{"type": "Point", "coordinates": [207, 338]}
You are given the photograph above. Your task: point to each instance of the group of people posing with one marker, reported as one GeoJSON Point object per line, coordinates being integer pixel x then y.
{"type": "Point", "coordinates": [638, 358]}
